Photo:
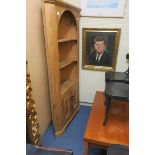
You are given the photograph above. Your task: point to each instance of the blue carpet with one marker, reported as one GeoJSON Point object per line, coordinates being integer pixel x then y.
{"type": "Point", "coordinates": [73, 135]}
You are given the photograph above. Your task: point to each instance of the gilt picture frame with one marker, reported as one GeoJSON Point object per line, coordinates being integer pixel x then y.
{"type": "Point", "coordinates": [108, 58]}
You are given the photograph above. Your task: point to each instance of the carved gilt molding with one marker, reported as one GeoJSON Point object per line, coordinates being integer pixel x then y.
{"type": "Point", "coordinates": [31, 114]}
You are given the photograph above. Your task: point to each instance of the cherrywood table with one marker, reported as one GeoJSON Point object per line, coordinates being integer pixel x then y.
{"type": "Point", "coordinates": [116, 130]}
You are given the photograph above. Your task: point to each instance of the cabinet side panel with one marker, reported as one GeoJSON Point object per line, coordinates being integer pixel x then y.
{"type": "Point", "coordinates": [52, 55]}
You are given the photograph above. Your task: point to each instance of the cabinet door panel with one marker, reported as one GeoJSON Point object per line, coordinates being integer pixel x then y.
{"type": "Point", "coordinates": [70, 103]}
{"type": "Point", "coordinates": [66, 105]}
{"type": "Point", "coordinates": [75, 103]}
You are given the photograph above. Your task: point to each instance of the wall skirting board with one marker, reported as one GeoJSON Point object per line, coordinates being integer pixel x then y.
{"type": "Point", "coordinates": [85, 103]}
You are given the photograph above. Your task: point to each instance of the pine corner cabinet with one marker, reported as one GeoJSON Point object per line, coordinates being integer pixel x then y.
{"type": "Point", "coordinates": [61, 30]}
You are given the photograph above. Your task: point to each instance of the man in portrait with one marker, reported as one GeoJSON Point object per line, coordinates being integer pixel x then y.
{"type": "Point", "coordinates": [100, 56]}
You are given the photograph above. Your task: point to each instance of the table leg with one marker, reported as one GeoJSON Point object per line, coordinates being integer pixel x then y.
{"type": "Point", "coordinates": [85, 148]}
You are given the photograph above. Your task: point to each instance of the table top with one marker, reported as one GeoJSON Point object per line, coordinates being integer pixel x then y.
{"type": "Point", "coordinates": [116, 131]}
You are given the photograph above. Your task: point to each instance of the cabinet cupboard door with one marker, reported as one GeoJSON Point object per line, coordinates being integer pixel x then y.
{"type": "Point", "coordinates": [66, 106]}
{"type": "Point", "coordinates": [70, 104]}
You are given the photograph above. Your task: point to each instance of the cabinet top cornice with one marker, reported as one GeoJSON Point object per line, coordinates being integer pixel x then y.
{"type": "Point", "coordinates": [62, 3]}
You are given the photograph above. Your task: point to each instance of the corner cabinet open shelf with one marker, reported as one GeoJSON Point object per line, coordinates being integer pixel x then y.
{"type": "Point", "coordinates": [61, 30]}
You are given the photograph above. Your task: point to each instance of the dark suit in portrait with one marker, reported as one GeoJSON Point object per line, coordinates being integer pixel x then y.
{"type": "Point", "coordinates": [104, 60]}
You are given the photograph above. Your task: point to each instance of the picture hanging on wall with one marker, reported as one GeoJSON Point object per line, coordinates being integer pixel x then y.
{"type": "Point", "coordinates": [100, 48]}
{"type": "Point", "coordinates": [103, 8]}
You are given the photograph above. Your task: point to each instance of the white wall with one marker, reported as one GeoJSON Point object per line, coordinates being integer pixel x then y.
{"type": "Point", "coordinates": [91, 81]}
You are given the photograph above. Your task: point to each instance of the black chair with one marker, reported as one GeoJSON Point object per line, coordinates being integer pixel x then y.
{"type": "Point", "coordinates": [39, 150]}
{"type": "Point", "coordinates": [117, 149]}
{"type": "Point", "coordinates": [118, 76]}
{"type": "Point", "coordinates": [115, 90]}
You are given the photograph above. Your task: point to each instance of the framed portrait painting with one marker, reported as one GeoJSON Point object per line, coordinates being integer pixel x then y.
{"type": "Point", "coordinates": [100, 48]}
{"type": "Point", "coordinates": [103, 8]}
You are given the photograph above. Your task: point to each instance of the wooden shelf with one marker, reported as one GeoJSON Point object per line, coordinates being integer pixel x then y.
{"type": "Point", "coordinates": [66, 40]}
{"type": "Point", "coordinates": [67, 62]}
{"type": "Point", "coordinates": [66, 85]}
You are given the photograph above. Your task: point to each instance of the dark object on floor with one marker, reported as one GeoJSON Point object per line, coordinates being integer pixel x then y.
{"type": "Point", "coordinates": [39, 150]}
{"type": "Point", "coordinates": [115, 90]}
{"type": "Point", "coordinates": [117, 149]}
{"type": "Point", "coordinates": [103, 152]}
